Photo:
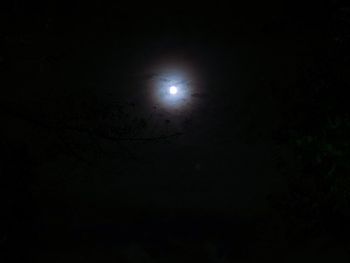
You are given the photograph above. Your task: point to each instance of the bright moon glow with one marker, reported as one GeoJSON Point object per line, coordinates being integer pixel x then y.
{"type": "Point", "coordinates": [173, 90]}
{"type": "Point", "coordinates": [172, 83]}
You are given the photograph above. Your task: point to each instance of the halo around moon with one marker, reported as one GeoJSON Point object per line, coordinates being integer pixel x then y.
{"type": "Point", "coordinates": [171, 84]}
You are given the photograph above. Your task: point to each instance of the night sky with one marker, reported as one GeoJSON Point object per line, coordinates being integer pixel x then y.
{"type": "Point", "coordinates": [245, 160]}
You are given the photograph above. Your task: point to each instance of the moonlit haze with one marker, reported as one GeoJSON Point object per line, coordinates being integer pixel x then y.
{"type": "Point", "coordinates": [173, 82]}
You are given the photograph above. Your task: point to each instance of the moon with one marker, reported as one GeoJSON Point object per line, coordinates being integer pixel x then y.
{"type": "Point", "coordinates": [173, 90]}
{"type": "Point", "coordinates": [170, 82]}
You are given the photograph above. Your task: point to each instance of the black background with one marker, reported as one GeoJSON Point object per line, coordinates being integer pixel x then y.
{"type": "Point", "coordinates": [255, 169]}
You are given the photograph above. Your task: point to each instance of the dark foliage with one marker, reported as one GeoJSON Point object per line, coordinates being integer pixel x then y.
{"type": "Point", "coordinates": [318, 127]}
